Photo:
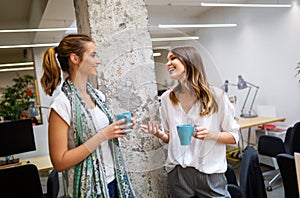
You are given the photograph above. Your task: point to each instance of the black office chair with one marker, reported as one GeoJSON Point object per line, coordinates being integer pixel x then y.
{"type": "Point", "coordinates": [52, 185]}
{"type": "Point", "coordinates": [232, 186]}
{"type": "Point", "coordinates": [230, 175]}
{"type": "Point", "coordinates": [272, 146]}
{"type": "Point", "coordinates": [251, 178]}
{"type": "Point", "coordinates": [295, 143]}
{"type": "Point", "coordinates": [20, 181]}
{"type": "Point", "coordinates": [234, 191]}
{"type": "Point", "coordinates": [287, 167]}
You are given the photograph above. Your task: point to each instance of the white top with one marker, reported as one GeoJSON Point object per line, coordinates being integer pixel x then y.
{"type": "Point", "coordinates": [62, 106]}
{"type": "Point", "coordinates": [207, 156]}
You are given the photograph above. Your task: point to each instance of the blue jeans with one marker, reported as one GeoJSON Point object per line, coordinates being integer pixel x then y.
{"type": "Point", "coordinates": [112, 189]}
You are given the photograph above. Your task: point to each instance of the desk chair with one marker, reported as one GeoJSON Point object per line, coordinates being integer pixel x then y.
{"type": "Point", "coordinates": [52, 185]}
{"type": "Point", "coordinates": [272, 146]}
{"type": "Point", "coordinates": [295, 144]}
{"type": "Point", "coordinates": [232, 186]}
{"type": "Point", "coordinates": [20, 181]}
{"type": "Point", "coordinates": [286, 163]}
{"type": "Point", "coordinates": [230, 175]}
{"type": "Point", "coordinates": [251, 178]}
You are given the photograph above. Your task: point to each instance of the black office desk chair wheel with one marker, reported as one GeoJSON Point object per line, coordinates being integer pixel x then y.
{"type": "Point", "coordinates": [269, 188]}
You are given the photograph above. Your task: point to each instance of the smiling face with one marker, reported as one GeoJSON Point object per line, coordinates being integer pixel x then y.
{"type": "Point", "coordinates": [90, 60]}
{"type": "Point", "coordinates": [175, 67]}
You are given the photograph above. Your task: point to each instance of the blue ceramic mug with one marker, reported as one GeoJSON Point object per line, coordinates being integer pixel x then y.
{"type": "Point", "coordinates": [126, 115]}
{"type": "Point", "coordinates": [185, 133]}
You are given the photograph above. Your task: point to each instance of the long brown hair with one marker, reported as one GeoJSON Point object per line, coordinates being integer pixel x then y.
{"type": "Point", "coordinates": [195, 79]}
{"type": "Point", "coordinates": [72, 43]}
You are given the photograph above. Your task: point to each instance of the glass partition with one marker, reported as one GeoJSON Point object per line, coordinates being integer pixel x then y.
{"type": "Point", "coordinates": [18, 85]}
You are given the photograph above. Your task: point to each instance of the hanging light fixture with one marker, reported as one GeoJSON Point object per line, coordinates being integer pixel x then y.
{"type": "Point", "coordinates": [38, 30]}
{"type": "Point", "coordinates": [182, 38]}
{"type": "Point", "coordinates": [256, 5]}
{"type": "Point", "coordinates": [197, 25]}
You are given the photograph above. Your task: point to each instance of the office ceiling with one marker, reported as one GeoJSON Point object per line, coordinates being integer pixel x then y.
{"type": "Point", "coordinates": [16, 14]}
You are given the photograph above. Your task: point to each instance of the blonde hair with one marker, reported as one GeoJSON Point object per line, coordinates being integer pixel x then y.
{"type": "Point", "coordinates": [72, 43]}
{"type": "Point", "coordinates": [195, 80]}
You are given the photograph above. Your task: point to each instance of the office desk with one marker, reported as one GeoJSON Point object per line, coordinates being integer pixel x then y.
{"type": "Point", "coordinates": [256, 121]}
{"type": "Point", "coordinates": [43, 163]}
{"type": "Point", "coordinates": [297, 163]}
{"type": "Point", "coordinates": [248, 123]}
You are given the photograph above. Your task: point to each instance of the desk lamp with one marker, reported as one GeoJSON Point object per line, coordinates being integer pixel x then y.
{"type": "Point", "coordinates": [242, 84]}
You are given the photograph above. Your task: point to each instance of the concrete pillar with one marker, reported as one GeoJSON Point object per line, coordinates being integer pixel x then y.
{"type": "Point", "coordinates": [127, 78]}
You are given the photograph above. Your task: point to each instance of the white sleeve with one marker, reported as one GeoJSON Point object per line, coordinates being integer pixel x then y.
{"type": "Point", "coordinates": [163, 112]}
{"type": "Point", "coordinates": [228, 123]}
{"type": "Point", "coordinates": [61, 105]}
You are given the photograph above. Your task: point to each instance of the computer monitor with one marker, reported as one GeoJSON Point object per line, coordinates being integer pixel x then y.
{"type": "Point", "coordinates": [16, 137]}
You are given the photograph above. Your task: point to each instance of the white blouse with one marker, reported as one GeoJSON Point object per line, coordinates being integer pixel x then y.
{"type": "Point", "coordinates": [207, 156]}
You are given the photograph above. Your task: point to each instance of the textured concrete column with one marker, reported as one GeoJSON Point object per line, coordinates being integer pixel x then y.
{"type": "Point", "coordinates": [127, 78]}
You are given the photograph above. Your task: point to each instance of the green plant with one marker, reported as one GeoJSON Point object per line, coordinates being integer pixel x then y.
{"type": "Point", "coordinates": [17, 97]}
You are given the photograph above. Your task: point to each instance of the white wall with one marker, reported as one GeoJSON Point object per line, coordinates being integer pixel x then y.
{"type": "Point", "coordinates": [263, 48]}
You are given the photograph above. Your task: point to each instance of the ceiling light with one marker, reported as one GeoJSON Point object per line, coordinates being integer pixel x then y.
{"type": "Point", "coordinates": [246, 5]}
{"type": "Point", "coordinates": [155, 54]}
{"type": "Point", "coordinates": [161, 47]}
{"type": "Point", "coordinates": [175, 38]}
{"type": "Point", "coordinates": [39, 30]}
{"type": "Point", "coordinates": [196, 25]}
{"type": "Point", "coordinates": [29, 45]}
{"type": "Point", "coordinates": [17, 69]}
{"type": "Point", "coordinates": [16, 64]}
{"type": "Point", "coordinates": [172, 3]}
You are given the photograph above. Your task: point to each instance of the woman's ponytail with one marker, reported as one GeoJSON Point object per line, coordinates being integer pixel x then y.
{"type": "Point", "coordinates": [52, 74]}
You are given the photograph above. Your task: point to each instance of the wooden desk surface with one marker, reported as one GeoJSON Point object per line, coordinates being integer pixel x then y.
{"type": "Point", "coordinates": [43, 163]}
{"type": "Point", "coordinates": [256, 121]}
{"type": "Point", "coordinates": [297, 163]}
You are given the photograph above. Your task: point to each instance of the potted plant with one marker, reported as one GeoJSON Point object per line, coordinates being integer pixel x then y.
{"type": "Point", "coordinates": [17, 98]}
